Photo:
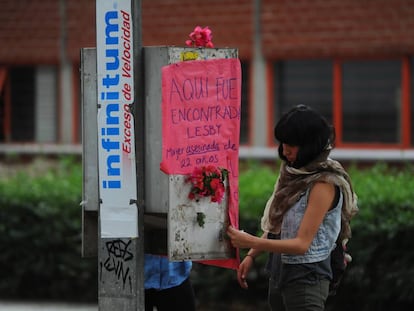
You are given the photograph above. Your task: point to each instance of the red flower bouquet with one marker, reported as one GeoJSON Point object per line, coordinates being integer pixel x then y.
{"type": "Point", "coordinates": [207, 181]}
{"type": "Point", "coordinates": [200, 37]}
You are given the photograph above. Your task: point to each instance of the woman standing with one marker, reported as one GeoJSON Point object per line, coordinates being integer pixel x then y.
{"type": "Point", "coordinates": [309, 210]}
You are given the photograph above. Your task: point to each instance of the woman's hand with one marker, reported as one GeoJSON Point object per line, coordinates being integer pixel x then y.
{"type": "Point", "coordinates": [243, 271]}
{"type": "Point", "coordinates": [239, 238]}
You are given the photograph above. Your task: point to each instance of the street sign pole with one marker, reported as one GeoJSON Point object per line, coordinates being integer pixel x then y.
{"type": "Point", "coordinates": [139, 113]}
{"type": "Point", "coordinates": [120, 139]}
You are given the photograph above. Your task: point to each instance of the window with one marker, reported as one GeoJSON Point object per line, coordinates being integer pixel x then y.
{"type": "Point", "coordinates": [244, 123]}
{"type": "Point", "coordinates": [28, 105]}
{"type": "Point", "coordinates": [3, 78]}
{"type": "Point", "coordinates": [365, 96]}
{"type": "Point", "coordinates": [304, 82]}
{"type": "Point", "coordinates": [371, 101]}
{"type": "Point", "coordinates": [22, 95]}
{"type": "Point", "coordinates": [412, 99]}
{"type": "Point", "coordinates": [46, 105]}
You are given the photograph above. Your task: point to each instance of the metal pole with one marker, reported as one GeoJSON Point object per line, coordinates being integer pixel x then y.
{"type": "Point", "coordinates": [139, 112]}
{"type": "Point", "coordinates": [121, 258]}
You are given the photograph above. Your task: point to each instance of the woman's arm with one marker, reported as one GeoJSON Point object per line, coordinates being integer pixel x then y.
{"type": "Point", "coordinates": [256, 252]}
{"type": "Point", "coordinates": [247, 264]}
{"type": "Point", "coordinates": [319, 202]}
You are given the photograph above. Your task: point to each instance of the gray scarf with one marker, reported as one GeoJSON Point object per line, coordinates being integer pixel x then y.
{"type": "Point", "coordinates": [293, 182]}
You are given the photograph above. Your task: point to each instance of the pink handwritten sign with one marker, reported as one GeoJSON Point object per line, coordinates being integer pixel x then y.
{"type": "Point", "coordinates": [201, 120]}
{"type": "Point", "coordinates": [201, 114]}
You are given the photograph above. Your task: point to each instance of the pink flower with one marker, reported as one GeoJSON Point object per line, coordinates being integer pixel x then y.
{"type": "Point", "coordinates": [209, 44]}
{"type": "Point", "coordinates": [200, 37]}
{"type": "Point", "coordinates": [207, 181]}
{"type": "Point", "coordinates": [214, 184]}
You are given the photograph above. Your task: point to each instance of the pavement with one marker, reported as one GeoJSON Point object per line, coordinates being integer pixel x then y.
{"type": "Point", "coordinates": [45, 306]}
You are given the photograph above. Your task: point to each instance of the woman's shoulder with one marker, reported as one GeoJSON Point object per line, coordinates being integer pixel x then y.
{"type": "Point", "coordinates": [323, 186]}
{"type": "Point", "coordinates": [322, 192]}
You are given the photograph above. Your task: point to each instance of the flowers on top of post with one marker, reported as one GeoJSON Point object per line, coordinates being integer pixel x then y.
{"type": "Point", "coordinates": [207, 181]}
{"type": "Point", "coordinates": [200, 37]}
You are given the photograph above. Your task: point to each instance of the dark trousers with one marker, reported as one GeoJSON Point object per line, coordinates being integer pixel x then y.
{"type": "Point", "coordinates": [299, 297]}
{"type": "Point", "coordinates": [175, 298]}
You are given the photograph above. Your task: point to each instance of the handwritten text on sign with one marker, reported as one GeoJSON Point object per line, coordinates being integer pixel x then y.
{"type": "Point", "coordinates": [200, 114]}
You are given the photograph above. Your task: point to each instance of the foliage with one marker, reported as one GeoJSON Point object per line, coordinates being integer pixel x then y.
{"type": "Point", "coordinates": [386, 198]}
{"type": "Point", "coordinates": [380, 275]}
{"type": "Point", "coordinates": [41, 224]}
{"type": "Point", "coordinates": [40, 236]}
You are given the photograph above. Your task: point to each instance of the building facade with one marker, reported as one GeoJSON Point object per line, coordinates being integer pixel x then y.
{"type": "Point", "coordinates": [350, 59]}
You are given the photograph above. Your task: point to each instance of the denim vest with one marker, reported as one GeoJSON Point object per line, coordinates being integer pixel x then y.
{"type": "Point", "coordinates": [325, 238]}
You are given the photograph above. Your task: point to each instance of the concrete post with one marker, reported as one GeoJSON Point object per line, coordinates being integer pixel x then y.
{"type": "Point", "coordinates": [120, 254]}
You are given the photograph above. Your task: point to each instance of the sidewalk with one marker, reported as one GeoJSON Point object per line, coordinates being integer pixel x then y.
{"type": "Point", "coordinates": [45, 306]}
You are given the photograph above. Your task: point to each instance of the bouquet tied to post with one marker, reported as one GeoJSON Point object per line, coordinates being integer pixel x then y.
{"type": "Point", "coordinates": [207, 181]}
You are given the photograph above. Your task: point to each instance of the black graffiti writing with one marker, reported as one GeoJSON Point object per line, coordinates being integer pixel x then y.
{"type": "Point", "coordinates": [116, 261]}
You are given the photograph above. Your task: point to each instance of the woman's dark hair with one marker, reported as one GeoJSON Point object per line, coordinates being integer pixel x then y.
{"type": "Point", "coordinates": [307, 129]}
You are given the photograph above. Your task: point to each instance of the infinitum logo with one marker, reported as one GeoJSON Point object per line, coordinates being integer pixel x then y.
{"type": "Point", "coordinates": [115, 94]}
{"type": "Point", "coordinates": [116, 149]}
{"type": "Point", "coordinates": [110, 140]}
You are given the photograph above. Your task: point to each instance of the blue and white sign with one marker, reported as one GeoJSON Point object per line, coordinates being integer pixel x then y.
{"type": "Point", "coordinates": [116, 141]}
